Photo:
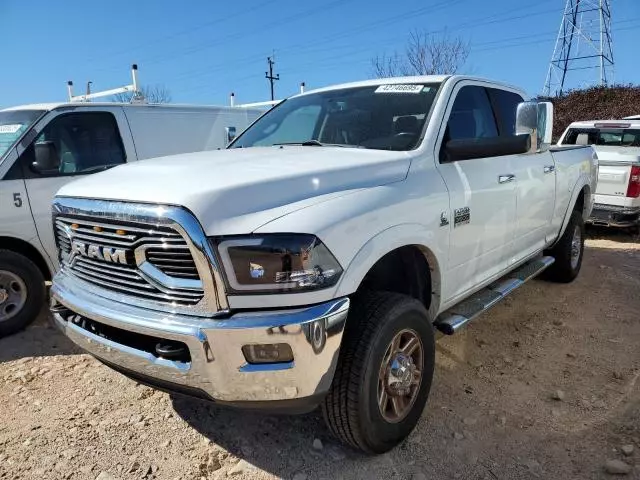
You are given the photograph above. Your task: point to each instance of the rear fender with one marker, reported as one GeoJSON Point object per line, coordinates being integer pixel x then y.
{"type": "Point", "coordinates": [582, 187]}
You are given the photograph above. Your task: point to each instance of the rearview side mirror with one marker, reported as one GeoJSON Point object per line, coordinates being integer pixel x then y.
{"type": "Point", "coordinates": [231, 133]}
{"type": "Point", "coordinates": [46, 157]}
{"type": "Point", "coordinates": [545, 124]}
{"type": "Point", "coordinates": [470, 148]}
{"type": "Point", "coordinates": [536, 119]}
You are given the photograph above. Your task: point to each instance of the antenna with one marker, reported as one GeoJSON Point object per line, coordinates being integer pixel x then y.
{"type": "Point", "coordinates": [133, 87]}
{"type": "Point", "coordinates": [583, 45]}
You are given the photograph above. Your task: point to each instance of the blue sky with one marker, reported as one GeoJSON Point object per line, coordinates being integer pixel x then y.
{"type": "Point", "coordinates": [203, 49]}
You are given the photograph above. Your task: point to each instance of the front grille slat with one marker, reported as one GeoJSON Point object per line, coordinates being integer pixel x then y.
{"type": "Point", "coordinates": [169, 261]}
{"type": "Point", "coordinates": [129, 290]}
{"type": "Point", "coordinates": [106, 241]}
{"type": "Point", "coordinates": [130, 237]}
{"type": "Point", "coordinates": [107, 267]}
{"type": "Point", "coordinates": [110, 280]}
{"type": "Point", "coordinates": [98, 271]}
{"type": "Point", "coordinates": [132, 228]}
{"type": "Point", "coordinates": [163, 248]}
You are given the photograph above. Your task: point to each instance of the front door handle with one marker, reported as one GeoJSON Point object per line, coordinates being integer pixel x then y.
{"type": "Point", "coordinates": [506, 178]}
{"type": "Point", "coordinates": [549, 168]}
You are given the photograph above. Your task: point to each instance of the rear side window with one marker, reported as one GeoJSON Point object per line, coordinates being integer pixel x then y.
{"type": "Point", "coordinates": [471, 115]}
{"type": "Point", "coordinates": [604, 137]}
{"type": "Point", "coordinates": [505, 105]}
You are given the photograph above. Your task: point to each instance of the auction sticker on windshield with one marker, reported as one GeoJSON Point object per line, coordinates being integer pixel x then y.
{"type": "Point", "coordinates": [10, 128]}
{"type": "Point", "coordinates": [399, 89]}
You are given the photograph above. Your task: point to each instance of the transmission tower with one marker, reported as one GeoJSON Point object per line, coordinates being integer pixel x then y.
{"type": "Point", "coordinates": [583, 47]}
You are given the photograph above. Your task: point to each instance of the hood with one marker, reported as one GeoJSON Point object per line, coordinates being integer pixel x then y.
{"type": "Point", "coordinates": [236, 191]}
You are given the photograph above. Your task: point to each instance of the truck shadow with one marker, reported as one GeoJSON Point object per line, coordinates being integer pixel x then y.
{"type": "Point", "coordinates": [619, 235]}
{"type": "Point", "coordinates": [279, 444]}
{"type": "Point", "coordinates": [40, 339]}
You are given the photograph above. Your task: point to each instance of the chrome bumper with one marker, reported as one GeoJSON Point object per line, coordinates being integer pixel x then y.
{"type": "Point", "coordinates": [217, 366]}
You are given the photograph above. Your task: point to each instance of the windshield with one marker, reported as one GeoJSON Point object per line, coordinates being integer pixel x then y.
{"type": "Point", "coordinates": [13, 124]}
{"type": "Point", "coordinates": [381, 117]}
{"type": "Point", "coordinates": [614, 137]}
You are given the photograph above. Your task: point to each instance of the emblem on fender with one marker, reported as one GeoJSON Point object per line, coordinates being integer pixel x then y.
{"type": "Point", "coordinates": [108, 254]}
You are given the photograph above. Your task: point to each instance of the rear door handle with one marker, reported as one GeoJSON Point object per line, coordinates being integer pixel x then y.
{"type": "Point", "coordinates": [506, 178]}
{"type": "Point", "coordinates": [549, 168]}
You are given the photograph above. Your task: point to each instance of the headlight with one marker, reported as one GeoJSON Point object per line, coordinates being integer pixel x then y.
{"type": "Point", "coordinates": [277, 263]}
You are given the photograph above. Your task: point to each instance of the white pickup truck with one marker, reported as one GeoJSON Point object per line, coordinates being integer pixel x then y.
{"type": "Point", "coordinates": [312, 261]}
{"type": "Point", "coordinates": [45, 146]}
{"type": "Point", "coordinates": [617, 144]}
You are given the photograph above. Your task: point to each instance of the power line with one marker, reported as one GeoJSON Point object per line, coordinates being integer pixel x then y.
{"type": "Point", "coordinates": [305, 48]}
{"type": "Point", "coordinates": [180, 33]}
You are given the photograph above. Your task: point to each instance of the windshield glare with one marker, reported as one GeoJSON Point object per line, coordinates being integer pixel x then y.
{"type": "Point", "coordinates": [615, 137]}
{"type": "Point", "coordinates": [380, 117]}
{"type": "Point", "coordinates": [13, 124]}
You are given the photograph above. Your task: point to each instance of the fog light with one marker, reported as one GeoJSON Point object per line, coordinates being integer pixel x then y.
{"type": "Point", "coordinates": [268, 353]}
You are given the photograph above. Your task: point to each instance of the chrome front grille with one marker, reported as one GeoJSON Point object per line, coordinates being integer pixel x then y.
{"type": "Point", "coordinates": [151, 262]}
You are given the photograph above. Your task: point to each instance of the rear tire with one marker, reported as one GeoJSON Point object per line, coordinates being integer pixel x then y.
{"type": "Point", "coordinates": [568, 252]}
{"type": "Point", "coordinates": [22, 292]}
{"type": "Point", "coordinates": [385, 366]}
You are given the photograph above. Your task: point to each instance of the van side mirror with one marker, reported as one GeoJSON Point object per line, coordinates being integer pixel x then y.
{"type": "Point", "coordinates": [46, 157]}
{"type": "Point", "coordinates": [536, 119]}
{"type": "Point", "coordinates": [231, 134]}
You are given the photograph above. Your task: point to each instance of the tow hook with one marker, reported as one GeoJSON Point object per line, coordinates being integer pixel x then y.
{"type": "Point", "coordinates": [172, 350]}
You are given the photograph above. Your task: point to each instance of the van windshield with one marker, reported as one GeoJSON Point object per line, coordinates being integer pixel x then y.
{"type": "Point", "coordinates": [614, 137]}
{"type": "Point", "coordinates": [380, 117]}
{"type": "Point", "coordinates": [13, 124]}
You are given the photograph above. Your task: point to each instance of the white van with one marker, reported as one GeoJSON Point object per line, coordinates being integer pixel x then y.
{"type": "Point", "coordinates": [44, 146]}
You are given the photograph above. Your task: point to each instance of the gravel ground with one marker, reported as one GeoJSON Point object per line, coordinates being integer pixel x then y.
{"type": "Point", "coordinates": [544, 386]}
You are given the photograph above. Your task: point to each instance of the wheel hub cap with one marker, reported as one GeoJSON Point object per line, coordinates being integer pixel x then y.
{"type": "Point", "coordinates": [13, 294]}
{"type": "Point", "coordinates": [400, 376]}
{"type": "Point", "coordinates": [401, 373]}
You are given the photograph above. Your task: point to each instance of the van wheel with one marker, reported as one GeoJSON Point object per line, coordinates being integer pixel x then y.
{"type": "Point", "coordinates": [384, 372]}
{"type": "Point", "coordinates": [22, 292]}
{"type": "Point", "coordinates": [568, 252]}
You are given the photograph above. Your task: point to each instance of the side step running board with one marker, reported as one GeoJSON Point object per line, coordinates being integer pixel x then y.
{"type": "Point", "coordinates": [459, 315]}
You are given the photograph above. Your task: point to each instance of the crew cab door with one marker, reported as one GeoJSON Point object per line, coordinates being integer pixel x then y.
{"type": "Point", "coordinates": [66, 145]}
{"type": "Point", "coordinates": [482, 193]}
{"type": "Point", "coordinates": [535, 179]}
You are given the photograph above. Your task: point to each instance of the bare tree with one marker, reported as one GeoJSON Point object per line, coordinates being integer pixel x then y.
{"type": "Point", "coordinates": [152, 94]}
{"type": "Point", "coordinates": [425, 54]}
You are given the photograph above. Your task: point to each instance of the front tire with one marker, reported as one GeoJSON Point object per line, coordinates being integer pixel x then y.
{"type": "Point", "coordinates": [384, 372]}
{"type": "Point", "coordinates": [568, 252]}
{"type": "Point", "coordinates": [22, 292]}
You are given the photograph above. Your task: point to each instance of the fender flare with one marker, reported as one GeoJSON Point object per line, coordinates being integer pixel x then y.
{"type": "Point", "coordinates": [385, 242]}
{"type": "Point", "coordinates": [583, 182]}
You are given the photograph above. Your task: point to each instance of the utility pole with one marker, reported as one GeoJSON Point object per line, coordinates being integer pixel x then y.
{"type": "Point", "coordinates": [269, 75]}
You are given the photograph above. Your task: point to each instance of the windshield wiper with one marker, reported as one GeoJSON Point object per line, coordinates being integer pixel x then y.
{"type": "Point", "coordinates": [316, 143]}
{"type": "Point", "coordinates": [98, 168]}
{"type": "Point", "coordinates": [306, 143]}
